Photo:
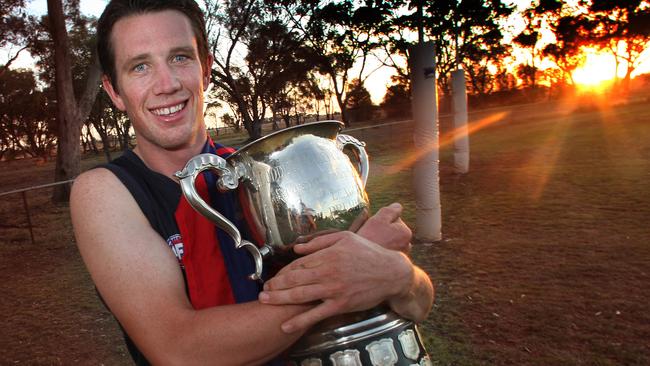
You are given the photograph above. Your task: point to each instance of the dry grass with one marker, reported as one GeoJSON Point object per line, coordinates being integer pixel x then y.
{"type": "Point", "coordinates": [544, 260]}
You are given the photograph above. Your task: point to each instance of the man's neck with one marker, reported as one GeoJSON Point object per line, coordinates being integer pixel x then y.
{"type": "Point", "coordinates": [168, 162]}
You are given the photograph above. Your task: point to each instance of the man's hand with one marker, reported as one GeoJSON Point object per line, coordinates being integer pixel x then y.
{"type": "Point", "coordinates": [344, 272]}
{"type": "Point", "coordinates": [387, 229]}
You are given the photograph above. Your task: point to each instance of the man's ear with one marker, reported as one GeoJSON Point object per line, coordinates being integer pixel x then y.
{"type": "Point", "coordinates": [115, 97]}
{"type": "Point", "coordinates": [207, 71]}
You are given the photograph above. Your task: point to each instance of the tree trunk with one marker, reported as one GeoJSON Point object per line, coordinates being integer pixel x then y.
{"type": "Point", "coordinates": [93, 142]}
{"type": "Point", "coordinates": [69, 133]}
{"type": "Point", "coordinates": [71, 115]}
{"type": "Point", "coordinates": [106, 147]}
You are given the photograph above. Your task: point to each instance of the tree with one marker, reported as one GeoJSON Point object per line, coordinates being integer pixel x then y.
{"type": "Point", "coordinates": [623, 27]}
{"type": "Point", "coordinates": [340, 34]}
{"type": "Point", "coordinates": [229, 29]}
{"type": "Point", "coordinates": [567, 22]}
{"type": "Point", "coordinates": [107, 121]}
{"type": "Point", "coordinates": [466, 32]}
{"type": "Point", "coordinates": [70, 113]}
{"type": "Point", "coordinates": [15, 27]}
{"type": "Point", "coordinates": [527, 74]}
{"type": "Point", "coordinates": [280, 65]}
{"type": "Point", "coordinates": [529, 39]}
{"type": "Point", "coordinates": [359, 103]}
{"type": "Point", "coordinates": [25, 117]}
{"type": "Point", "coordinates": [397, 100]}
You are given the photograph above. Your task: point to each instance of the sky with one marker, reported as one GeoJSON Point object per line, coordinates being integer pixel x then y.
{"type": "Point", "coordinates": [89, 7]}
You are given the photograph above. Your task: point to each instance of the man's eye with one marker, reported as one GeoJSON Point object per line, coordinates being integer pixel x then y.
{"type": "Point", "coordinates": [180, 58]}
{"type": "Point", "coordinates": [140, 68]}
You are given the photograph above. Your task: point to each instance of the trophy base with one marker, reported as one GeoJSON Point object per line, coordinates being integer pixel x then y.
{"type": "Point", "coordinates": [377, 337]}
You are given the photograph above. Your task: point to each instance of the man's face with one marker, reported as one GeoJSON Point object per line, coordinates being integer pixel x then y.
{"type": "Point", "coordinates": [160, 79]}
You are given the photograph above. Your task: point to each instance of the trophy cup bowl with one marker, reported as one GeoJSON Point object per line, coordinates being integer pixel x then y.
{"type": "Point", "coordinates": [295, 184]}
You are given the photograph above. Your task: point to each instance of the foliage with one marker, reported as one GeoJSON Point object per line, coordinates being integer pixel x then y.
{"type": "Point", "coordinates": [15, 29]}
{"type": "Point", "coordinates": [465, 32]}
{"type": "Point", "coordinates": [359, 103]}
{"type": "Point", "coordinates": [229, 28]}
{"type": "Point", "coordinates": [529, 38]}
{"type": "Point", "coordinates": [568, 24]}
{"type": "Point", "coordinates": [25, 118]}
{"type": "Point", "coordinates": [275, 61]}
{"type": "Point", "coordinates": [340, 35]}
{"type": "Point", "coordinates": [397, 100]}
{"type": "Point", "coordinates": [622, 27]}
{"type": "Point", "coordinates": [81, 45]}
{"type": "Point", "coordinates": [280, 64]}
{"type": "Point", "coordinates": [108, 122]}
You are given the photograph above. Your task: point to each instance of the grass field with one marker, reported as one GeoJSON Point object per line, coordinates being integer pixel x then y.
{"type": "Point", "coordinates": [545, 257]}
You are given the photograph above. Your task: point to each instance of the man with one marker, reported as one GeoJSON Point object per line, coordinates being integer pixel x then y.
{"type": "Point", "coordinates": [175, 293]}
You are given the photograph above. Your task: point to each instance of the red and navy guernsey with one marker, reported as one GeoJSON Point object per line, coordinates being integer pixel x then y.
{"type": "Point", "coordinates": [215, 272]}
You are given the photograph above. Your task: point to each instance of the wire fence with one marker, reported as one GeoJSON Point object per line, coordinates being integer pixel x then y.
{"type": "Point", "coordinates": [23, 192]}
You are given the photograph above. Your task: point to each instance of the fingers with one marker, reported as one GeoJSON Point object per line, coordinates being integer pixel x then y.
{"type": "Point", "coordinates": [295, 295]}
{"type": "Point", "coordinates": [288, 278]}
{"type": "Point", "coordinates": [307, 319]}
{"type": "Point", "coordinates": [319, 243]}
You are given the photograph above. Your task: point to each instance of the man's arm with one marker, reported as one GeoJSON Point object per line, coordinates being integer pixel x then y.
{"type": "Point", "coordinates": [348, 272]}
{"type": "Point", "coordinates": [387, 229]}
{"type": "Point", "coordinates": [142, 284]}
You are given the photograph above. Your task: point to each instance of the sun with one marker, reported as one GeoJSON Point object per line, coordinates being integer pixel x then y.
{"type": "Point", "coordinates": [599, 69]}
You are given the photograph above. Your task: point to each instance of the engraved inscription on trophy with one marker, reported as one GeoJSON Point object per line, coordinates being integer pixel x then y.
{"type": "Point", "coordinates": [276, 173]}
{"type": "Point", "coordinates": [409, 344]}
{"type": "Point", "coordinates": [349, 357]}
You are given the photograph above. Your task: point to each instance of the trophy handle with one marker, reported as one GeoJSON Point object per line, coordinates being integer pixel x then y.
{"type": "Point", "coordinates": [358, 148]}
{"type": "Point", "coordinates": [228, 180]}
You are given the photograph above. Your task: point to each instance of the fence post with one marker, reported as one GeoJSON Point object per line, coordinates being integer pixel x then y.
{"type": "Point", "coordinates": [29, 219]}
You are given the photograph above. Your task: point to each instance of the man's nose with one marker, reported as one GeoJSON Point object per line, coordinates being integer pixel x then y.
{"type": "Point", "coordinates": [167, 80]}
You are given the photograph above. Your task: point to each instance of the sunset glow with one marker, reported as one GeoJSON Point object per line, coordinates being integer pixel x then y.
{"type": "Point", "coordinates": [598, 69]}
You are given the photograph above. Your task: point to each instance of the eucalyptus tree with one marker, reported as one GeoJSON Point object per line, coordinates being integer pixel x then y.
{"type": "Point", "coordinates": [108, 122]}
{"type": "Point", "coordinates": [341, 35]}
{"type": "Point", "coordinates": [72, 108]}
{"type": "Point", "coordinates": [230, 25]}
{"type": "Point", "coordinates": [466, 33]}
{"type": "Point", "coordinates": [359, 102]}
{"type": "Point", "coordinates": [529, 39]}
{"type": "Point", "coordinates": [25, 117]}
{"type": "Point", "coordinates": [256, 58]}
{"type": "Point", "coordinates": [15, 30]}
{"type": "Point", "coordinates": [567, 22]}
{"type": "Point", "coordinates": [280, 65]}
{"type": "Point", "coordinates": [397, 100]}
{"type": "Point", "coordinates": [623, 27]}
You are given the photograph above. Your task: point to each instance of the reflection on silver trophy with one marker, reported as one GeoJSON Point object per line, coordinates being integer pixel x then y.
{"type": "Point", "coordinates": [298, 183]}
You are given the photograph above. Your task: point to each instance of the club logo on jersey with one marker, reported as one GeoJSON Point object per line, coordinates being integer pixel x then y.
{"type": "Point", "coordinates": [175, 242]}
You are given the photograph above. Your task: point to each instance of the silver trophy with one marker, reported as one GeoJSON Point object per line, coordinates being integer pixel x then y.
{"type": "Point", "coordinates": [295, 184]}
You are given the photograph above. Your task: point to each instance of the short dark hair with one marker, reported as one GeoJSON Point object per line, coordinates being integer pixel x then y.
{"type": "Point", "coordinates": [118, 9]}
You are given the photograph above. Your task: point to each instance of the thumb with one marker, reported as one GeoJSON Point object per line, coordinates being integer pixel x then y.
{"type": "Point", "coordinates": [390, 213]}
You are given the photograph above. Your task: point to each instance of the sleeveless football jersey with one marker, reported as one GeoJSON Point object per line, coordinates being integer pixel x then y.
{"type": "Point", "coordinates": [215, 272]}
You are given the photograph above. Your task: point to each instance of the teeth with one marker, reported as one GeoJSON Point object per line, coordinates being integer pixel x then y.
{"type": "Point", "coordinates": [168, 110]}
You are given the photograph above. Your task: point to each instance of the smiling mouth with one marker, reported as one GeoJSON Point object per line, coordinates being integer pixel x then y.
{"type": "Point", "coordinates": [167, 111]}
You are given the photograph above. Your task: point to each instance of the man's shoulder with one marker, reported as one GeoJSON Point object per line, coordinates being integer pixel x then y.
{"type": "Point", "coordinates": [95, 184]}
